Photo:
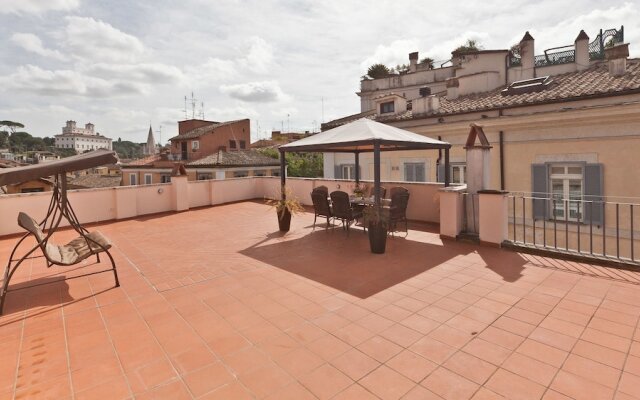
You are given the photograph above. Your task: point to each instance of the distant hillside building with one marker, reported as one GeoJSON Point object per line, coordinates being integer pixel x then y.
{"type": "Point", "coordinates": [81, 139]}
{"type": "Point", "coordinates": [150, 148]}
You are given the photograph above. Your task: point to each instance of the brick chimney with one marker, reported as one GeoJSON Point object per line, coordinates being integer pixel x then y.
{"type": "Point", "coordinates": [582, 51]}
{"type": "Point", "coordinates": [413, 61]}
{"type": "Point", "coordinates": [527, 56]}
{"type": "Point", "coordinates": [617, 58]}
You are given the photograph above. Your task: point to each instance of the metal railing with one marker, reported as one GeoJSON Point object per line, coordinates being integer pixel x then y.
{"type": "Point", "coordinates": [606, 38]}
{"type": "Point", "coordinates": [568, 55]}
{"type": "Point", "coordinates": [592, 228]}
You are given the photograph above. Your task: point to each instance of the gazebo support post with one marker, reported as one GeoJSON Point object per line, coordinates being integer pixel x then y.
{"type": "Point", "coordinates": [357, 167]}
{"type": "Point", "coordinates": [376, 172]}
{"type": "Point", "coordinates": [283, 178]}
{"type": "Point", "coordinates": [447, 178]}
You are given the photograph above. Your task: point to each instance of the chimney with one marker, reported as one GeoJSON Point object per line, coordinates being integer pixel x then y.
{"type": "Point", "coordinates": [617, 58]}
{"type": "Point", "coordinates": [582, 51]}
{"type": "Point", "coordinates": [527, 56]}
{"type": "Point", "coordinates": [452, 88]}
{"type": "Point", "coordinates": [426, 104]}
{"type": "Point", "coordinates": [413, 61]}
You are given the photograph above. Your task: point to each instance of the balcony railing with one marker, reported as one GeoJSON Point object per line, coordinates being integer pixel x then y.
{"type": "Point", "coordinates": [604, 39]}
{"type": "Point", "coordinates": [598, 229]}
{"type": "Point", "coordinates": [565, 56]}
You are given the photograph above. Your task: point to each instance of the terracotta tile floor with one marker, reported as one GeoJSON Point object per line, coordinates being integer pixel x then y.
{"type": "Point", "coordinates": [215, 304]}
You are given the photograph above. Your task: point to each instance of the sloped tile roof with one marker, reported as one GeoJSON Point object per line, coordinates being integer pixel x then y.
{"type": "Point", "coordinates": [95, 181]}
{"type": "Point", "coordinates": [595, 81]}
{"type": "Point", "coordinates": [235, 158]}
{"type": "Point", "coordinates": [197, 132]}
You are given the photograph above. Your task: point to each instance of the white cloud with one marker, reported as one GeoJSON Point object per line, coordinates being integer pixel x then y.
{"type": "Point", "coordinates": [259, 56]}
{"type": "Point", "coordinates": [97, 40]}
{"type": "Point", "coordinates": [230, 113]}
{"type": "Point", "coordinates": [153, 73]}
{"type": "Point", "coordinates": [214, 70]}
{"type": "Point", "coordinates": [397, 52]}
{"type": "Point", "coordinates": [36, 6]}
{"type": "Point", "coordinates": [33, 44]}
{"type": "Point", "coordinates": [66, 82]}
{"type": "Point", "coordinates": [258, 92]}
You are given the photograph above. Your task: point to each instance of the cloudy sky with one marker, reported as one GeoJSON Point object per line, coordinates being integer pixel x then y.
{"type": "Point", "coordinates": [125, 64]}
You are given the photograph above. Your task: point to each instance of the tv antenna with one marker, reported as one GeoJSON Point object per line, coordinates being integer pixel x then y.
{"type": "Point", "coordinates": [193, 102]}
{"type": "Point", "coordinates": [202, 110]}
{"type": "Point", "coordinates": [160, 135]}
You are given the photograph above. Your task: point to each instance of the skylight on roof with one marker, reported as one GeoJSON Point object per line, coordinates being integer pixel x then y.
{"type": "Point", "coordinates": [528, 86]}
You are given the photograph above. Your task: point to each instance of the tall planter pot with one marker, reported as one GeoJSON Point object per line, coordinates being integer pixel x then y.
{"type": "Point", "coordinates": [377, 237]}
{"type": "Point", "coordinates": [284, 220]}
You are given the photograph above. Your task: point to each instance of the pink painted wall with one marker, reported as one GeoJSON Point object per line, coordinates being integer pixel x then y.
{"type": "Point", "coordinates": [96, 205]}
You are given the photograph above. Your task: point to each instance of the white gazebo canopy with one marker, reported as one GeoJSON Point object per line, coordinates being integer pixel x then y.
{"type": "Point", "coordinates": [364, 135]}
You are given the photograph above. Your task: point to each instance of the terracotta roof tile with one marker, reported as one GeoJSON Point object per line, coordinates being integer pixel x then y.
{"type": "Point", "coordinates": [235, 158]}
{"type": "Point", "coordinates": [95, 181]}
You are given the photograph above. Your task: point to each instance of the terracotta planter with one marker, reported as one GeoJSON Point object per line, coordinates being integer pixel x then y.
{"type": "Point", "coordinates": [377, 238]}
{"type": "Point", "coordinates": [284, 220]}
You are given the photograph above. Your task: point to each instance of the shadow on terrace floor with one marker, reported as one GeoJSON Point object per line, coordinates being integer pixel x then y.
{"type": "Point", "coordinates": [343, 261]}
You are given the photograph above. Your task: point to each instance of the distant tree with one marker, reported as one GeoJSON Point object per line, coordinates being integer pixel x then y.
{"type": "Point", "coordinates": [469, 45]}
{"type": "Point", "coordinates": [428, 62]}
{"type": "Point", "coordinates": [4, 139]}
{"type": "Point", "coordinates": [378, 71]}
{"type": "Point", "coordinates": [11, 125]}
{"type": "Point", "coordinates": [515, 50]}
{"type": "Point", "coordinates": [402, 68]}
{"type": "Point", "coordinates": [303, 165]}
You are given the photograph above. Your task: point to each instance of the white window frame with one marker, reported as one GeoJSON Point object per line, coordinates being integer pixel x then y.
{"type": "Point", "coordinates": [463, 173]}
{"type": "Point", "coordinates": [387, 103]}
{"type": "Point", "coordinates": [165, 178]}
{"type": "Point", "coordinates": [566, 177]}
{"type": "Point", "coordinates": [414, 165]}
{"type": "Point", "coordinates": [348, 171]}
{"type": "Point", "coordinates": [195, 145]}
{"type": "Point", "coordinates": [148, 179]}
{"type": "Point", "coordinates": [133, 179]}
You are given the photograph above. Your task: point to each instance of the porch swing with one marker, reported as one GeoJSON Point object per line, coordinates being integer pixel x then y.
{"type": "Point", "coordinates": [87, 243]}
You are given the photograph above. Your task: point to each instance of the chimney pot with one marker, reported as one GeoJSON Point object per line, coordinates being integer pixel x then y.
{"type": "Point", "coordinates": [413, 61]}
{"type": "Point", "coordinates": [617, 58]}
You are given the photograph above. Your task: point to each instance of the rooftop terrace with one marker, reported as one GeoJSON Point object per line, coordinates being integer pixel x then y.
{"type": "Point", "coordinates": [216, 304]}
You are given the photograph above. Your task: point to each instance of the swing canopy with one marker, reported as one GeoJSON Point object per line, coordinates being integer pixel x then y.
{"type": "Point", "coordinates": [92, 159]}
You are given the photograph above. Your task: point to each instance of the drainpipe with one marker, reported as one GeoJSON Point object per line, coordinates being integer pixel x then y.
{"type": "Point", "coordinates": [506, 70]}
{"type": "Point", "coordinates": [501, 160]}
{"type": "Point", "coordinates": [439, 160]}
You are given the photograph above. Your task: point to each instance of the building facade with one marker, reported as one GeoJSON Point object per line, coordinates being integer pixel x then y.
{"type": "Point", "coordinates": [81, 139]}
{"type": "Point", "coordinates": [207, 150]}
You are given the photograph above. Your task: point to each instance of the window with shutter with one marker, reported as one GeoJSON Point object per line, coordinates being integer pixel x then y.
{"type": "Point", "coordinates": [440, 171]}
{"type": "Point", "coordinates": [414, 172]}
{"type": "Point", "coordinates": [593, 193]}
{"type": "Point", "coordinates": [539, 190]}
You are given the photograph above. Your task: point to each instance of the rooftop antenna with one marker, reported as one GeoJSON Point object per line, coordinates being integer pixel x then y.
{"type": "Point", "coordinates": [185, 107]}
{"type": "Point", "coordinates": [193, 106]}
{"type": "Point", "coordinates": [202, 109]}
{"type": "Point", "coordinates": [288, 123]}
{"type": "Point", "coordinates": [160, 135]}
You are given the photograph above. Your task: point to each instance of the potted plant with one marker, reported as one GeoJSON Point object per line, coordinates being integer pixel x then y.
{"type": "Point", "coordinates": [285, 208]}
{"type": "Point", "coordinates": [359, 190]}
{"type": "Point", "coordinates": [376, 220]}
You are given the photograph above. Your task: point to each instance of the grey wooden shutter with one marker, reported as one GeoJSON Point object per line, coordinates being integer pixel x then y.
{"type": "Point", "coordinates": [408, 173]}
{"type": "Point", "coordinates": [593, 191]}
{"type": "Point", "coordinates": [540, 190]}
{"type": "Point", "coordinates": [440, 171]}
{"type": "Point", "coordinates": [337, 172]}
{"type": "Point", "coordinates": [419, 172]}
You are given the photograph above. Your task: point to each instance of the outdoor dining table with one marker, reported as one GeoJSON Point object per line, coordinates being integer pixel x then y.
{"type": "Point", "coordinates": [368, 201]}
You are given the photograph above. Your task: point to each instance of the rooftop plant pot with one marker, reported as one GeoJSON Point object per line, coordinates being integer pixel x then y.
{"type": "Point", "coordinates": [284, 219]}
{"type": "Point", "coordinates": [377, 237]}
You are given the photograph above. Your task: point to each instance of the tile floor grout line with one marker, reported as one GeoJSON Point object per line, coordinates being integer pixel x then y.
{"type": "Point", "coordinates": [626, 356]}
{"type": "Point", "coordinates": [104, 322]}
{"type": "Point", "coordinates": [66, 345]}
